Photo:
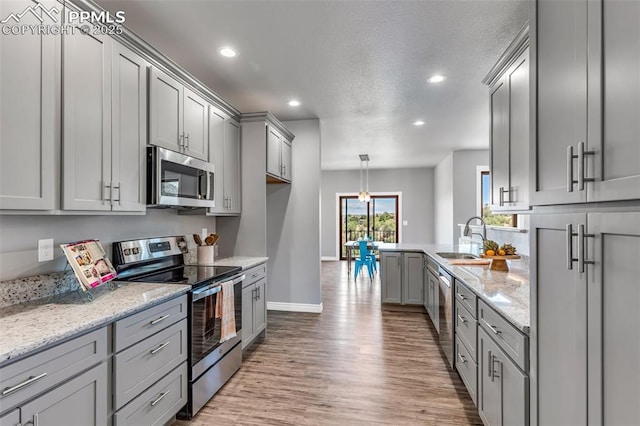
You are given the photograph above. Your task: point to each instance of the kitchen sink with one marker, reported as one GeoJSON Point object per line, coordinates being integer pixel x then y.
{"type": "Point", "coordinates": [454, 255]}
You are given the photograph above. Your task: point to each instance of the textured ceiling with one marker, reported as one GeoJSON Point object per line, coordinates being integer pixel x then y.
{"type": "Point", "coordinates": [358, 66]}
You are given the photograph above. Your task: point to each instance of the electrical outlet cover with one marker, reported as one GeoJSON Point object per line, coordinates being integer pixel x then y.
{"type": "Point", "coordinates": [45, 250]}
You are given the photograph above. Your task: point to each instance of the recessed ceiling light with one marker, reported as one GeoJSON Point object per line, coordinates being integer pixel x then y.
{"type": "Point", "coordinates": [436, 78]}
{"type": "Point", "coordinates": [227, 52]}
{"type": "Point", "coordinates": [418, 123]}
{"type": "Point", "coordinates": [294, 103]}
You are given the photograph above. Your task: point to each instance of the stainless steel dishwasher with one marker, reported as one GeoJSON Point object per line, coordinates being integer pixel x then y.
{"type": "Point", "coordinates": [445, 283]}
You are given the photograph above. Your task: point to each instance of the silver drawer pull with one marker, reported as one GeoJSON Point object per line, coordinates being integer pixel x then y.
{"type": "Point", "coordinates": [158, 399]}
{"type": "Point", "coordinates": [255, 275]}
{"type": "Point", "coordinates": [159, 348]}
{"type": "Point", "coordinates": [461, 296]}
{"type": "Point", "coordinates": [162, 318]}
{"type": "Point", "coordinates": [462, 360]}
{"type": "Point", "coordinates": [462, 320]}
{"type": "Point", "coordinates": [492, 328]}
{"type": "Point", "coordinates": [27, 382]}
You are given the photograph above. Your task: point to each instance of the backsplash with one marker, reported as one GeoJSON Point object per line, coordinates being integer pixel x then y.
{"type": "Point", "coordinates": [21, 290]}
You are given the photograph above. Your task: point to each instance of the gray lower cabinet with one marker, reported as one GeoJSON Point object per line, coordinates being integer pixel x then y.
{"type": "Point", "coordinates": [29, 103]}
{"type": "Point", "coordinates": [254, 304]}
{"type": "Point", "coordinates": [581, 370]}
{"type": "Point", "coordinates": [12, 418]}
{"type": "Point", "coordinates": [466, 331]}
{"type": "Point", "coordinates": [503, 389]}
{"type": "Point", "coordinates": [402, 277]}
{"type": "Point", "coordinates": [433, 296]}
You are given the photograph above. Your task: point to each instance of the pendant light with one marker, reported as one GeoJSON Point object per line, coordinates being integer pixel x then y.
{"type": "Point", "coordinates": [364, 195]}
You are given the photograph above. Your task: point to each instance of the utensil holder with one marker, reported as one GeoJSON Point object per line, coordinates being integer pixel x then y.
{"type": "Point", "coordinates": [206, 255]}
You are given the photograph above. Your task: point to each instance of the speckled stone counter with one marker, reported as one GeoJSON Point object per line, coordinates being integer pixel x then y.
{"type": "Point", "coordinates": [242, 261]}
{"type": "Point", "coordinates": [33, 325]}
{"type": "Point", "coordinates": [506, 292]}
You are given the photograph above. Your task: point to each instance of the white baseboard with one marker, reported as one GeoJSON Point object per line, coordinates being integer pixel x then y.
{"type": "Point", "coordinates": [295, 307]}
{"type": "Point", "coordinates": [329, 259]}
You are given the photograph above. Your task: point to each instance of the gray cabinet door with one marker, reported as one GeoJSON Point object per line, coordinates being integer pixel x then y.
{"type": "Point", "coordinates": [517, 79]}
{"type": "Point", "coordinates": [489, 386]}
{"type": "Point", "coordinates": [559, 49]}
{"type": "Point", "coordinates": [514, 392]}
{"type": "Point", "coordinates": [499, 161]}
{"type": "Point", "coordinates": [195, 120]}
{"type": "Point", "coordinates": [286, 160]}
{"type": "Point", "coordinates": [129, 130]}
{"type": "Point", "coordinates": [216, 156]}
{"type": "Point", "coordinates": [426, 300]}
{"type": "Point", "coordinates": [558, 365]}
{"type": "Point", "coordinates": [260, 307]}
{"type": "Point", "coordinates": [12, 418]}
{"type": "Point", "coordinates": [274, 143]}
{"type": "Point", "coordinates": [232, 179]}
{"type": "Point", "coordinates": [86, 145]}
{"type": "Point", "coordinates": [248, 296]}
{"type": "Point", "coordinates": [29, 77]}
{"type": "Point", "coordinates": [614, 336]}
{"type": "Point", "coordinates": [81, 401]}
{"type": "Point", "coordinates": [614, 100]}
{"type": "Point", "coordinates": [165, 111]}
{"type": "Point", "coordinates": [391, 277]}
{"type": "Point", "coordinates": [412, 278]}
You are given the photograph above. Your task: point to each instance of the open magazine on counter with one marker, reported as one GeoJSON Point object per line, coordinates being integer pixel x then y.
{"type": "Point", "coordinates": [89, 263]}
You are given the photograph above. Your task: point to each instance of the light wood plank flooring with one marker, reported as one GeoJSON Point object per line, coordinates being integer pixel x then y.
{"type": "Point", "coordinates": [353, 364]}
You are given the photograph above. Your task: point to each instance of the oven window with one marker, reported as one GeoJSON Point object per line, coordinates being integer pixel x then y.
{"type": "Point", "coordinates": [178, 180]}
{"type": "Point", "coordinates": [205, 333]}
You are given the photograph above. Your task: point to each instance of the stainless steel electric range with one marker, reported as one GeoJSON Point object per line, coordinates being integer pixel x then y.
{"type": "Point", "coordinates": [161, 260]}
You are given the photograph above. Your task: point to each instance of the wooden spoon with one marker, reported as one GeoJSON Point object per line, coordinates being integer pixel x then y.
{"type": "Point", "coordinates": [197, 239]}
{"type": "Point", "coordinates": [209, 240]}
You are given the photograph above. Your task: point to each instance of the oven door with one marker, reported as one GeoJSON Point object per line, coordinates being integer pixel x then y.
{"type": "Point", "coordinates": [206, 348]}
{"type": "Point", "coordinates": [177, 180]}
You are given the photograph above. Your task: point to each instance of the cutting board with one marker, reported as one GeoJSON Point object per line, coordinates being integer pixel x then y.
{"type": "Point", "coordinates": [469, 261]}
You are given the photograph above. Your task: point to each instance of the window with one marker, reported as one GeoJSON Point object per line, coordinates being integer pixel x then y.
{"type": "Point", "coordinates": [508, 220]}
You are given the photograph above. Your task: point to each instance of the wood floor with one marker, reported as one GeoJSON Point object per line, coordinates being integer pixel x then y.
{"type": "Point", "coordinates": [352, 364]}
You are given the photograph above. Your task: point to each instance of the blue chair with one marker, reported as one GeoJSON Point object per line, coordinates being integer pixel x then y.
{"type": "Point", "coordinates": [366, 259]}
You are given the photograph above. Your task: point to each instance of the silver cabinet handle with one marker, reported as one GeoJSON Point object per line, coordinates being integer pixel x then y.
{"type": "Point", "coordinates": [181, 140]}
{"type": "Point", "coordinates": [461, 296]}
{"type": "Point", "coordinates": [494, 359]}
{"type": "Point", "coordinates": [31, 380]}
{"type": "Point", "coordinates": [462, 320]}
{"type": "Point", "coordinates": [107, 188]}
{"type": "Point", "coordinates": [35, 421]}
{"type": "Point", "coordinates": [581, 166]}
{"type": "Point", "coordinates": [462, 360]}
{"type": "Point", "coordinates": [492, 328]}
{"type": "Point", "coordinates": [502, 192]}
{"type": "Point", "coordinates": [116, 187]}
{"type": "Point", "coordinates": [159, 348]}
{"type": "Point", "coordinates": [159, 398]}
{"type": "Point", "coordinates": [259, 293]}
{"type": "Point", "coordinates": [255, 275]}
{"type": "Point", "coordinates": [230, 202]}
{"type": "Point", "coordinates": [255, 294]}
{"type": "Point", "coordinates": [570, 234]}
{"type": "Point", "coordinates": [570, 157]}
{"type": "Point", "coordinates": [490, 367]}
{"type": "Point", "coordinates": [157, 320]}
{"type": "Point", "coordinates": [582, 249]}
{"type": "Point", "coordinates": [187, 140]}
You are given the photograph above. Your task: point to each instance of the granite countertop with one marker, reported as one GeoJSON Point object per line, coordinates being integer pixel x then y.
{"type": "Point", "coordinates": [33, 325]}
{"type": "Point", "coordinates": [245, 262]}
{"type": "Point", "coordinates": [506, 292]}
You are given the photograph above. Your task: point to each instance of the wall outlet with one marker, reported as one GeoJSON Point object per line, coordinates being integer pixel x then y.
{"type": "Point", "coordinates": [405, 223]}
{"type": "Point", "coordinates": [204, 233]}
{"type": "Point", "coordinates": [45, 250]}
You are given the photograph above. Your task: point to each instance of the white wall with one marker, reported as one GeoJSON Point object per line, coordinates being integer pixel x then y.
{"type": "Point", "coordinates": [19, 235]}
{"type": "Point", "coordinates": [443, 201]}
{"type": "Point", "coordinates": [416, 186]}
{"type": "Point", "coordinates": [293, 223]}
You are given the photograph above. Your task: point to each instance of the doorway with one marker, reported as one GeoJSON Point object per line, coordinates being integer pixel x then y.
{"type": "Point", "coordinates": [377, 219]}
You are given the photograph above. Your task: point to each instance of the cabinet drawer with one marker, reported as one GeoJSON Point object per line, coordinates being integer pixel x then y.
{"type": "Point", "coordinates": [50, 367]}
{"type": "Point", "coordinates": [12, 418]}
{"type": "Point", "coordinates": [137, 327]}
{"type": "Point", "coordinates": [254, 274]}
{"type": "Point", "coordinates": [468, 369]}
{"type": "Point", "coordinates": [159, 403]}
{"type": "Point", "coordinates": [138, 367]}
{"type": "Point", "coordinates": [511, 341]}
{"type": "Point", "coordinates": [467, 298]}
{"type": "Point", "coordinates": [466, 329]}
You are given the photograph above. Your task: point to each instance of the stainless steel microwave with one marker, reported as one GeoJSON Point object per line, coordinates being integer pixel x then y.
{"type": "Point", "coordinates": [177, 180]}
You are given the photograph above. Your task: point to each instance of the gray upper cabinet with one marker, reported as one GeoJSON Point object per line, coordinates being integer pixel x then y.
{"type": "Point", "coordinates": [104, 101]}
{"type": "Point", "coordinates": [391, 277]}
{"type": "Point", "coordinates": [413, 278]}
{"type": "Point", "coordinates": [86, 145]}
{"type": "Point", "coordinates": [216, 156]}
{"type": "Point", "coordinates": [224, 153]}
{"type": "Point", "coordinates": [509, 103]}
{"type": "Point", "coordinates": [29, 79]}
{"type": "Point", "coordinates": [586, 139]}
{"type": "Point", "coordinates": [278, 156]}
{"type": "Point", "coordinates": [614, 100]}
{"type": "Point", "coordinates": [178, 118]}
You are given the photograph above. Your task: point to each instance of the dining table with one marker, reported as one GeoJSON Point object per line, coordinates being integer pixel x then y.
{"type": "Point", "coordinates": [351, 245]}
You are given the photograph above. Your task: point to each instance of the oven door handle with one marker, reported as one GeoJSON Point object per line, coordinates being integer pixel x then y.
{"type": "Point", "coordinates": [201, 293]}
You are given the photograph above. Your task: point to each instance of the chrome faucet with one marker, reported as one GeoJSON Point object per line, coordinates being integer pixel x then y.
{"type": "Point", "coordinates": [467, 230]}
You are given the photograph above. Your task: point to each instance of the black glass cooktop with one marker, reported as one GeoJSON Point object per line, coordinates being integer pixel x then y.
{"type": "Point", "coordinates": [190, 274]}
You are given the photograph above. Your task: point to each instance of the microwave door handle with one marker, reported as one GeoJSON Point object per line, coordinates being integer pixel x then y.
{"type": "Point", "coordinates": [209, 186]}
